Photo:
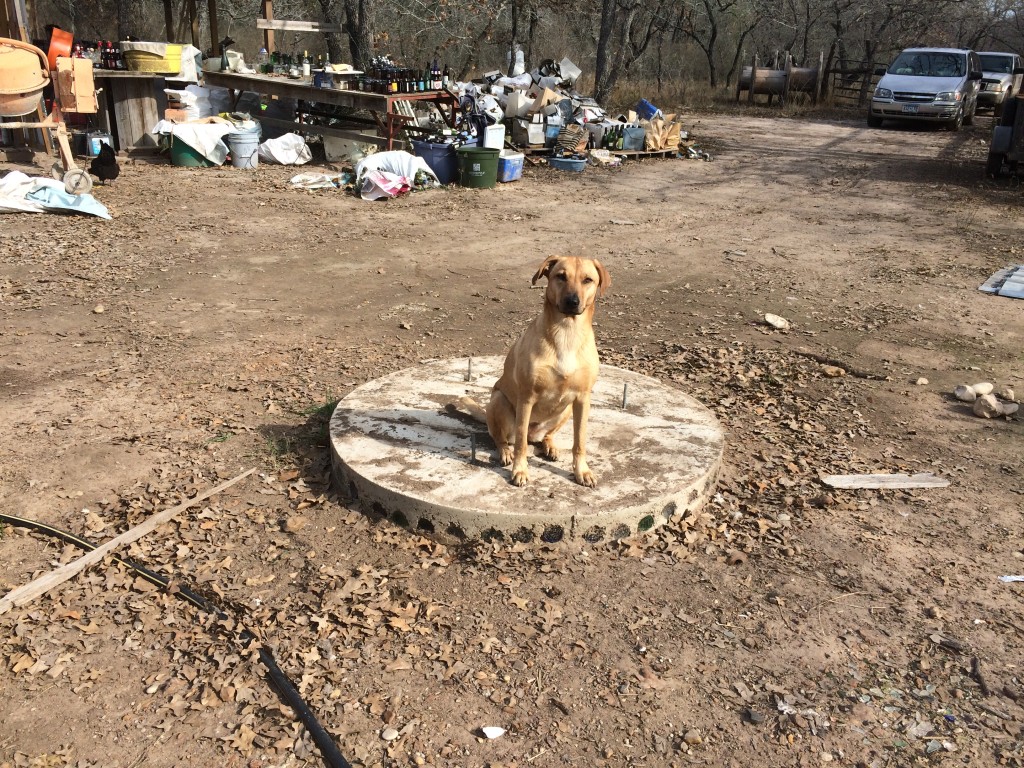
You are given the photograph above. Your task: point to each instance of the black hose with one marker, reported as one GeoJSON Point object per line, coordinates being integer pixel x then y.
{"type": "Point", "coordinates": [287, 692]}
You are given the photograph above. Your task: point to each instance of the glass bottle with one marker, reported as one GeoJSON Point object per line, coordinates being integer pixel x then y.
{"type": "Point", "coordinates": [306, 64]}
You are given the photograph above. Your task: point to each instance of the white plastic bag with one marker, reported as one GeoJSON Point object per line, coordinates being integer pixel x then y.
{"type": "Point", "coordinates": [290, 149]}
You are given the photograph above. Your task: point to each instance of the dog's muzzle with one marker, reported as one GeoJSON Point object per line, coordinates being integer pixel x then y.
{"type": "Point", "coordinates": [571, 305]}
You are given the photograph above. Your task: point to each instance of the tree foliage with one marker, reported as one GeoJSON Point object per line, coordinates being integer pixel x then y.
{"type": "Point", "coordinates": [613, 41]}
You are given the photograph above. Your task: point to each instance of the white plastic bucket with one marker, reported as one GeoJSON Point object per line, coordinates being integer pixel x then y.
{"type": "Point", "coordinates": [244, 146]}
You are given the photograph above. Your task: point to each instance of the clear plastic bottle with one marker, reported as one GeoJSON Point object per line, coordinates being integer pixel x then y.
{"type": "Point", "coordinates": [262, 60]}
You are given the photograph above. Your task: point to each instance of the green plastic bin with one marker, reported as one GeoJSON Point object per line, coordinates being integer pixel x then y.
{"type": "Point", "coordinates": [186, 156]}
{"type": "Point", "coordinates": [478, 167]}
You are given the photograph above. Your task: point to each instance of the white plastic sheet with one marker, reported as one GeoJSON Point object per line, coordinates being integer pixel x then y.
{"type": "Point", "coordinates": [388, 174]}
{"type": "Point", "coordinates": [37, 194]}
{"type": "Point", "coordinates": [290, 149]}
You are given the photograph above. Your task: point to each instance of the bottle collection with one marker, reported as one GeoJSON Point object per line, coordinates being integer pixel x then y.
{"type": "Point", "coordinates": [104, 54]}
{"type": "Point", "coordinates": [384, 76]}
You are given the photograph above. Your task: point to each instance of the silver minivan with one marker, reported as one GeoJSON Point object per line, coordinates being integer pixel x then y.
{"type": "Point", "coordinates": [928, 84]}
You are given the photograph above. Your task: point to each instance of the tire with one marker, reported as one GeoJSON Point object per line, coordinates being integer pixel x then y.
{"type": "Point", "coordinates": [874, 121]}
{"type": "Point", "coordinates": [994, 164]}
{"type": "Point", "coordinates": [969, 119]}
{"type": "Point", "coordinates": [957, 122]}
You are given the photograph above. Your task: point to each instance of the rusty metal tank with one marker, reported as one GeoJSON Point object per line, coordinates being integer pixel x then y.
{"type": "Point", "coordinates": [24, 73]}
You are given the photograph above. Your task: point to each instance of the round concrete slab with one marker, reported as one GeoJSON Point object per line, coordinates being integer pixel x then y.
{"type": "Point", "coordinates": [401, 449]}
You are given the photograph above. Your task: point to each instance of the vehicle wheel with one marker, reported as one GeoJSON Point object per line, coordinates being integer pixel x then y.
{"type": "Point", "coordinates": [957, 122]}
{"type": "Point", "coordinates": [994, 164]}
{"type": "Point", "coordinates": [874, 121]}
{"type": "Point", "coordinates": [969, 119]}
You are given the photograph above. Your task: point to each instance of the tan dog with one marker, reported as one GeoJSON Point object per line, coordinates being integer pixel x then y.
{"type": "Point", "coordinates": [550, 371]}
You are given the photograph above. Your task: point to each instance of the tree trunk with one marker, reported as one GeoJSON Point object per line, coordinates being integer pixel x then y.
{"type": "Point", "coordinates": [603, 75]}
{"type": "Point", "coordinates": [131, 19]}
{"type": "Point", "coordinates": [360, 32]}
{"type": "Point", "coordinates": [513, 34]}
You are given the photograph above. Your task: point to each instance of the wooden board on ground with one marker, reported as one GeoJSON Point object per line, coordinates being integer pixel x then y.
{"type": "Point", "coordinates": [922, 480]}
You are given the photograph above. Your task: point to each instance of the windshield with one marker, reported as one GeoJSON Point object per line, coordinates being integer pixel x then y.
{"type": "Point", "coordinates": [926, 64]}
{"type": "Point", "coordinates": [999, 64]}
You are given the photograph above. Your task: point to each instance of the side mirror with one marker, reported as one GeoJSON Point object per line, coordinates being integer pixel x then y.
{"type": "Point", "coordinates": [1018, 71]}
{"type": "Point", "coordinates": [974, 75]}
{"type": "Point", "coordinates": [879, 71]}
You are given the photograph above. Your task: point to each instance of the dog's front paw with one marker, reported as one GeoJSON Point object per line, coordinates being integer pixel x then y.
{"type": "Point", "coordinates": [505, 455]}
{"type": "Point", "coordinates": [585, 477]}
{"type": "Point", "coordinates": [520, 477]}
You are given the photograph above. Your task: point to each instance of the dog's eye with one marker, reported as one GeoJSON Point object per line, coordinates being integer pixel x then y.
{"type": "Point", "coordinates": [562, 276]}
{"type": "Point", "coordinates": [588, 280]}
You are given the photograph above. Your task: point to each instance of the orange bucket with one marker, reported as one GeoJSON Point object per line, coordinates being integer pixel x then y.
{"type": "Point", "coordinates": [60, 45]}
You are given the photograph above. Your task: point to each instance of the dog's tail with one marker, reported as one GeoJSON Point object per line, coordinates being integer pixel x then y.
{"type": "Point", "coordinates": [471, 407]}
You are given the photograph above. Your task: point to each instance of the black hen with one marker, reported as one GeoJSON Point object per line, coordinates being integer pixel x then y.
{"type": "Point", "coordinates": [104, 165]}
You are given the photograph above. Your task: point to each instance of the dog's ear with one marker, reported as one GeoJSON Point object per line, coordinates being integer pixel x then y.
{"type": "Point", "coordinates": [604, 279]}
{"type": "Point", "coordinates": [543, 269]}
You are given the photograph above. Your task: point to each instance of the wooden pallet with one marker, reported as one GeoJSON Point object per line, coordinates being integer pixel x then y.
{"type": "Point", "coordinates": [627, 153]}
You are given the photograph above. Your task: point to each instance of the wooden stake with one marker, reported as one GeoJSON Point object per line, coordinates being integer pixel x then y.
{"type": "Point", "coordinates": [42, 585]}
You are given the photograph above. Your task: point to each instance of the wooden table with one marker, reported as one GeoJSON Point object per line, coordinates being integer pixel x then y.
{"type": "Point", "coordinates": [382, 106]}
{"type": "Point", "coordinates": [130, 105]}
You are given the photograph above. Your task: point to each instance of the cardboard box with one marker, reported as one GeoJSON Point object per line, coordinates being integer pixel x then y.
{"type": "Point", "coordinates": [518, 104]}
{"type": "Point", "coordinates": [525, 133]}
{"type": "Point", "coordinates": [542, 98]}
{"type": "Point", "coordinates": [176, 115]}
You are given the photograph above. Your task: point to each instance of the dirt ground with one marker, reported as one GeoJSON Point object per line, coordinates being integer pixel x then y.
{"type": "Point", "coordinates": [212, 324]}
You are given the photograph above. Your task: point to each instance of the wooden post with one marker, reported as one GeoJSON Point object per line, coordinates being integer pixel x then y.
{"type": "Point", "coordinates": [818, 77]}
{"type": "Point", "coordinates": [753, 79]}
{"type": "Point", "coordinates": [785, 82]}
{"type": "Point", "coordinates": [268, 34]}
{"type": "Point", "coordinates": [193, 19]}
{"type": "Point", "coordinates": [169, 21]}
{"type": "Point", "coordinates": [211, 6]}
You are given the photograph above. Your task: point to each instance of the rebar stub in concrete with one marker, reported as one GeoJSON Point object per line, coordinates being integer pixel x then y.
{"type": "Point", "coordinates": [401, 450]}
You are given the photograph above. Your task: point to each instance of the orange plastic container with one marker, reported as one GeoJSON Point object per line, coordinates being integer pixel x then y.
{"type": "Point", "coordinates": [23, 75]}
{"type": "Point", "coordinates": [60, 45]}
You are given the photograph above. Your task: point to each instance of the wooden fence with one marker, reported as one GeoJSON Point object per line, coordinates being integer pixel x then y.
{"type": "Point", "coordinates": [852, 85]}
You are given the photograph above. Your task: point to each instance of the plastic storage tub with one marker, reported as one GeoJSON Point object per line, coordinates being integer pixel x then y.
{"type": "Point", "coordinates": [440, 157]}
{"type": "Point", "coordinates": [494, 136]}
{"type": "Point", "coordinates": [567, 164]}
{"type": "Point", "coordinates": [510, 166]}
{"type": "Point", "coordinates": [147, 61]}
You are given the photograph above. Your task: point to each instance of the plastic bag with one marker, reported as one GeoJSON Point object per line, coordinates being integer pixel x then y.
{"type": "Point", "coordinates": [290, 149]}
{"type": "Point", "coordinates": [379, 184]}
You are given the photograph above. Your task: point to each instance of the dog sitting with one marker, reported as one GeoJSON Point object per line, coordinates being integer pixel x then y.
{"type": "Point", "coordinates": [550, 371]}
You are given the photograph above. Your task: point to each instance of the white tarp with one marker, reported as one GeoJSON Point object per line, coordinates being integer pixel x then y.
{"type": "Point", "coordinates": [38, 194]}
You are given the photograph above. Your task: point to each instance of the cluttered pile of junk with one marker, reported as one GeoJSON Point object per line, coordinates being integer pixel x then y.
{"type": "Point", "coordinates": [496, 125]}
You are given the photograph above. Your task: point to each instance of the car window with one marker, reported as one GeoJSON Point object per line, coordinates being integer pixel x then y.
{"type": "Point", "coordinates": [999, 64]}
{"type": "Point", "coordinates": [928, 64]}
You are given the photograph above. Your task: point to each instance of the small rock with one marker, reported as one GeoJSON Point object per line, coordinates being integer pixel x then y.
{"type": "Point", "coordinates": [693, 737]}
{"type": "Point", "coordinates": [780, 323]}
{"type": "Point", "coordinates": [405, 326]}
{"type": "Point", "coordinates": [987, 406]}
{"type": "Point", "coordinates": [965, 393]}
{"type": "Point", "coordinates": [755, 717]}
{"type": "Point", "coordinates": [389, 734]}
{"type": "Point", "coordinates": [750, 642]}
{"type": "Point", "coordinates": [1006, 393]}
{"type": "Point", "coordinates": [99, 309]}
{"type": "Point", "coordinates": [982, 388]}
{"type": "Point", "coordinates": [493, 731]}
{"type": "Point", "coordinates": [922, 382]}
{"type": "Point", "coordinates": [800, 721]}
{"type": "Point", "coordinates": [833, 371]}
{"type": "Point", "coordinates": [933, 612]}
{"type": "Point", "coordinates": [1010, 408]}
{"type": "Point", "coordinates": [736, 557]}
{"type": "Point", "coordinates": [295, 523]}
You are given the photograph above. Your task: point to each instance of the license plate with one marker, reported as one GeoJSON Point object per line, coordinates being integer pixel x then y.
{"type": "Point", "coordinates": [910, 109]}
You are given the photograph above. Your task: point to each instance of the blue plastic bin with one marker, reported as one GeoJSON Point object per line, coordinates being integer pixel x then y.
{"type": "Point", "coordinates": [646, 110]}
{"type": "Point", "coordinates": [441, 158]}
